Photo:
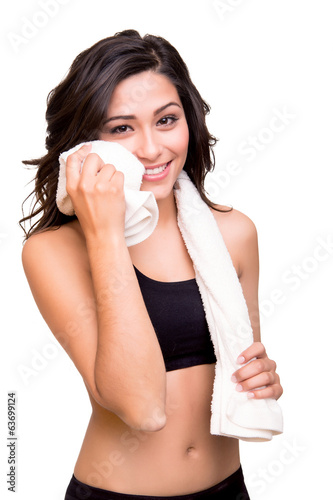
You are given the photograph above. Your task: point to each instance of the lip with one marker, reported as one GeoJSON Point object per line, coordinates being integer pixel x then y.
{"type": "Point", "coordinates": [157, 177]}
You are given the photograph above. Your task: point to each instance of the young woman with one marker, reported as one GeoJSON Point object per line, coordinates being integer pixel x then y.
{"type": "Point", "coordinates": [148, 436]}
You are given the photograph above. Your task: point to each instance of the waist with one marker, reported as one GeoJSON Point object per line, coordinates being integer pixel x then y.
{"type": "Point", "coordinates": [181, 455]}
{"type": "Point", "coordinates": [197, 470]}
{"type": "Point", "coordinates": [230, 488]}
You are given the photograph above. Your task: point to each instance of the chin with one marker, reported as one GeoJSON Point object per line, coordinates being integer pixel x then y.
{"type": "Point", "coordinates": [160, 192]}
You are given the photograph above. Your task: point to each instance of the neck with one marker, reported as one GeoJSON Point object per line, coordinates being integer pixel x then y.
{"type": "Point", "coordinates": [167, 209]}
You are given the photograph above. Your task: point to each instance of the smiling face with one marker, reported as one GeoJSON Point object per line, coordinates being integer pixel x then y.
{"type": "Point", "coordinates": [146, 116]}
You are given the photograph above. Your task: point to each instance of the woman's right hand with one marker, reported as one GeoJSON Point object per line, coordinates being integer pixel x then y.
{"type": "Point", "coordinates": [97, 193]}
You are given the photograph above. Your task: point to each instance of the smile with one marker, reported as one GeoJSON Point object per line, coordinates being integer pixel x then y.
{"type": "Point", "coordinates": [157, 173]}
{"type": "Point", "coordinates": [157, 170]}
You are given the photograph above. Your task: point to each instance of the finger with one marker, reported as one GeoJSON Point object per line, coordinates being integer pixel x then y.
{"type": "Point", "coordinates": [118, 179]}
{"type": "Point", "coordinates": [117, 184]}
{"type": "Point", "coordinates": [93, 163]}
{"type": "Point", "coordinates": [74, 163]}
{"type": "Point", "coordinates": [252, 369]}
{"type": "Point", "coordinates": [256, 350]}
{"type": "Point", "coordinates": [259, 381]}
{"type": "Point", "coordinates": [114, 186]}
{"type": "Point", "coordinates": [76, 159]}
{"type": "Point", "coordinates": [106, 173]}
{"type": "Point", "coordinates": [273, 391]}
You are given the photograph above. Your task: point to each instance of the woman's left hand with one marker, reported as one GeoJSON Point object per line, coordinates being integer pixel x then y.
{"type": "Point", "coordinates": [258, 377]}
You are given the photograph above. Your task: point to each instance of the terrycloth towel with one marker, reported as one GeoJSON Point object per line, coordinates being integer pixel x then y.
{"type": "Point", "coordinates": [232, 413]}
{"type": "Point", "coordinates": [141, 208]}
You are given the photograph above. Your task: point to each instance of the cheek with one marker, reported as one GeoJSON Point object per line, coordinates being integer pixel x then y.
{"type": "Point", "coordinates": [127, 143]}
{"type": "Point", "coordinates": [180, 141]}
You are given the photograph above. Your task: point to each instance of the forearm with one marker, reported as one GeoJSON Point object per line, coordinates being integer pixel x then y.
{"type": "Point", "coordinates": [129, 368]}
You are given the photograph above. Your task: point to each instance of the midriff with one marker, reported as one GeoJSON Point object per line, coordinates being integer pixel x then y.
{"type": "Point", "coordinates": [181, 458]}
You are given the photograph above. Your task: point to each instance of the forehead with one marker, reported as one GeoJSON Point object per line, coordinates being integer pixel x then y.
{"type": "Point", "coordinates": [142, 91]}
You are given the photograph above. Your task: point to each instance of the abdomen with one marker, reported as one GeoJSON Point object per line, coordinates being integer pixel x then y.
{"type": "Point", "coordinates": [181, 458]}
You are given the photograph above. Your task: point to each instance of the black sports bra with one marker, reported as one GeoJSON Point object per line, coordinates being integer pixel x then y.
{"type": "Point", "coordinates": [177, 315]}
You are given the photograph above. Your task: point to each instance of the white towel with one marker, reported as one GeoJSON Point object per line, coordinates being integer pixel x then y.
{"type": "Point", "coordinates": [141, 208]}
{"type": "Point", "coordinates": [232, 413]}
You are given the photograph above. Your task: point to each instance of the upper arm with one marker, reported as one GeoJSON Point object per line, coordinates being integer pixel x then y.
{"type": "Point", "coordinates": [241, 239]}
{"type": "Point", "coordinates": [61, 285]}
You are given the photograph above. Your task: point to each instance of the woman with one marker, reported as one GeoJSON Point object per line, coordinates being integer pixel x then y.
{"type": "Point", "coordinates": [148, 435]}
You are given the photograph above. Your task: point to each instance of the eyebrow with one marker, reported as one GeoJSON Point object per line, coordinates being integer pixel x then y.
{"type": "Point", "coordinates": [133, 117]}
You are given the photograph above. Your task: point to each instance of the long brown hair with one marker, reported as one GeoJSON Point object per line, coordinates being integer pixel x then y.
{"type": "Point", "coordinates": [77, 107]}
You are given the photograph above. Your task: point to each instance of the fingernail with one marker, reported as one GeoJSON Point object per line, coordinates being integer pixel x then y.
{"type": "Point", "coordinates": [250, 395]}
{"type": "Point", "coordinates": [240, 359]}
{"type": "Point", "coordinates": [239, 388]}
{"type": "Point", "coordinates": [233, 379]}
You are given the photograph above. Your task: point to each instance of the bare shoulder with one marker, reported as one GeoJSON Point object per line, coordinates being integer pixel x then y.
{"type": "Point", "coordinates": [239, 233]}
{"type": "Point", "coordinates": [234, 224]}
{"type": "Point", "coordinates": [61, 243]}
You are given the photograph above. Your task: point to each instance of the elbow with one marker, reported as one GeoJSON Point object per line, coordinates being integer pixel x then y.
{"type": "Point", "coordinates": [140, 419]}
{"type": "Point", "coordinates": [145, 418]}
{"type": "Point", "coordinates": [141, 415]}
{"type": "Point", "coordinates": [153, 421]}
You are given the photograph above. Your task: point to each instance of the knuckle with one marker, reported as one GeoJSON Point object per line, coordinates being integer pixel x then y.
{"type": "Point", "coordinates": [75, 155]}
{"type": "Point", "coordinates": [71, 158]}
{"type": "Point", "coordinates": [120, 175]}
{"type": "Point", "coordinates": [74, 159]}
{"type": "Point", "coordinates": [84, 187]}
{"type": "Point", "coordinates": [100, 187]}
{"type": "Point", "coordinates": [116, 191]}
{"type": "Point", "coordinates": [260, 365]}
{"type": "Point", "coordinates": [70, 186]}
{"type": "Point", "coordinates": [110, 166]}
{"type": "Point", "coordinates": [118, 180]}
{"type": "Point", "coordinates": [261, 347]}
{"type": "Point", "coordinates": [94, 157]}
{"type": "Point", "coordinates": [266, 393]}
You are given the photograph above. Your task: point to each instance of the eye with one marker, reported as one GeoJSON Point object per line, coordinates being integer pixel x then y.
{"type": "Point", "coordinates": [121, 129]}
{"type": "Point", "coordinates": [168, 120]}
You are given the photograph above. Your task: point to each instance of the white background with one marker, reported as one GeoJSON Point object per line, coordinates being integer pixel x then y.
{"type": "Point", "coordinates": [249, 60]}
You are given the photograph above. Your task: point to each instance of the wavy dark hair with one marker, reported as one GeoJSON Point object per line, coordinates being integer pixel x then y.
{"type": "Point", "coordinates": [77, 107]}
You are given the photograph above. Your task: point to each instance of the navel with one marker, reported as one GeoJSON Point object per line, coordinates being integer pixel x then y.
{"type": "Point", "coordinates": [190, 450]}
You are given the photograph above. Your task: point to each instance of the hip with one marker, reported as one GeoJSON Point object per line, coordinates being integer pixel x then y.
{"type": "Point", "coordinates": [231, 488]}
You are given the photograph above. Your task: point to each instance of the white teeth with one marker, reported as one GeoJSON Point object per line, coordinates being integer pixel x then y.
{"type": "Point", "coordinates": [153, 171]}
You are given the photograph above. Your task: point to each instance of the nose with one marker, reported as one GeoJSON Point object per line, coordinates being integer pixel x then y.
{"type": "Point", "coordinates": [148, 146]}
